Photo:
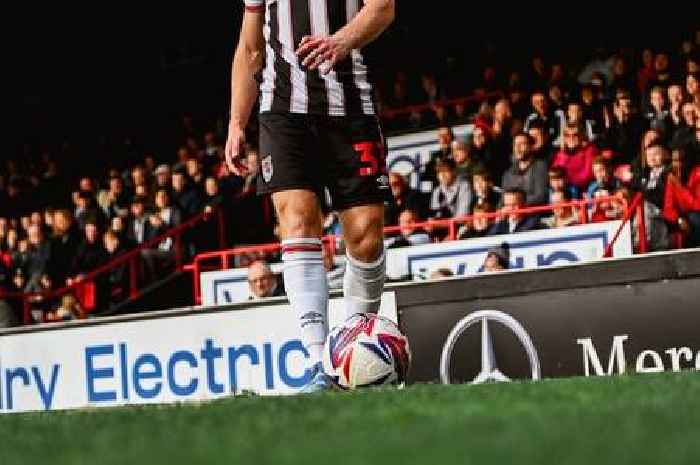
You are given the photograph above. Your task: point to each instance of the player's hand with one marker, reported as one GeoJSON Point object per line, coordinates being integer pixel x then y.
{"type": "Point", "coordinates": [322, 53]}
{"type": "Point", "coordinates": [235, 143]}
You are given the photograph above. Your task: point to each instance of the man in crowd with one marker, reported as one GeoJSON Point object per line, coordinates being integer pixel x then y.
{"type": "Point", "coordinates": [262, 282]}
{"type": "Point", "coordinates": [552, 120]}
{"type": "Point", "coordinates": [513, 222]}
{"type": "Point", "coordinates": [576, 157]}
{"type": "Point", "coordinates": [526, 173]}
{"type": "Point", "coordinates": [452, 197]}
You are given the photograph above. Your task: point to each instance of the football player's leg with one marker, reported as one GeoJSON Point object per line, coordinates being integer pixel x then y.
{"type": "Point", "coordinates": [304, 274]}
{"type": "Point", "coordinates": [289, 171]}
{"type": "Point", "coordinates": [365, 260]}
{"type": "Point", "coordinates": [358, 185]}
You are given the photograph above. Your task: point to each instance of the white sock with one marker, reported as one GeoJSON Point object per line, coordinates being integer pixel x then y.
{"type": "Point", "coordinates": [307, 290]}
{"type": "Point", "coordinates": [363, 284]}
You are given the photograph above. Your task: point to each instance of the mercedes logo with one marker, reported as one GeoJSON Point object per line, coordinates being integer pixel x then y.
{"type": "Point", "coordinates": [489, 370]}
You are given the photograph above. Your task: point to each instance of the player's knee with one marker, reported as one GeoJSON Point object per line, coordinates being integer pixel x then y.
{"type": "Point", "coordinates": [365, 241]}
{"type": "Point", "coordinates": [298, 217]}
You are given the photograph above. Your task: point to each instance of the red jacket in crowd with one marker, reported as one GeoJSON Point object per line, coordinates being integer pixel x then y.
{"type": "Point", "coordinates": [677, 199]}
{"type": "Point", "coordinates": [694, 187]}
{"type": "Point", "coordinates": [578, 166]}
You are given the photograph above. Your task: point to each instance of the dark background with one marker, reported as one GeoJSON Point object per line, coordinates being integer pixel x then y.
{"type": "Point", "coordinates": [119, 71]}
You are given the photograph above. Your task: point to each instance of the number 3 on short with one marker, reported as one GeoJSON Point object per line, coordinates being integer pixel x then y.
{"type": "Point", "coordinates": [371, 158]}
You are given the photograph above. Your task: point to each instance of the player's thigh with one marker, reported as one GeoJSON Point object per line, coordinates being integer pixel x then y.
{"type": "Point", "coordinates": [354, 163]}
{"type": "Point", "coordinates": [298, 213]}
{"type": "Point", "coordinates": [289, 171]}
{"type": "Point", "coordinates": [288, 154]}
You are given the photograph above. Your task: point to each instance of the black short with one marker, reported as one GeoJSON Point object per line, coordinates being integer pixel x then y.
{"type": "Point", "coordinates": [346, 155]}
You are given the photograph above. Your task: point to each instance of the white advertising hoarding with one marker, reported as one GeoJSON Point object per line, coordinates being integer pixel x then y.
{"type": "Point", "coordinates": [408, 153]}
{"type": "Point", "coordinates": [532, 249]}
{"type": "Point", "coordinates": [190, 357]}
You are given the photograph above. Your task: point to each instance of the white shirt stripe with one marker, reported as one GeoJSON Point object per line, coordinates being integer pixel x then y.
{"type": "Point", "coordinates": [359, 69]}
{"type": "Point", "coordinates": [299, 100]}
{"type": "Point", "coordinates": [319, 26]}
{"type": "Point", "coordinates": [267, 87]}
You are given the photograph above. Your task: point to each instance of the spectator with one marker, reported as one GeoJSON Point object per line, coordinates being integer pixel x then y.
{"type": "Point", "coordinates": [118, 198]}
{"type": "Point", "coordinates": [666, 201]}
{"type": "Point", "coordinates": [452, 197]}
{"type": "Point", "coordinates": [576, 157]}
{"type": "Point", "coordinates": [576, 116]}
{"type": "Point", "coordinates": [694, 215]}
{"type": "Point", "coordinates": [480, 224]}
{"type": "Point", "coordinates": [484, 191]}
{"type": "Point", "coordinates": [502, 136]}
{"type": "Point", "coordinates": [481, 149]}
{"type": "Point", "coordinates": [440, 273]}
{"type": "Point", "coordinates": [212, 195]}
{"type": "Point", "coordinates": [262, 283]}
{"type": "Point", "coordinates": [162, 177]}
{"type": "Point", "coordinates": [541, 147]}
{"type": "Point", "coordinates": [526, 173]}
{"type": "Point", "coordinates": [675, 102]}
{"type": "Point", "coordinates": [115, 287]}
{"type": "Point", "coordinates": [497, 259]}
{"type": "Point", "coordinates": [90, 253]}
{"type": "Point", "coordinates": [87, 209]}
{"type": "Point", "coordinates": [558, 183]}
{"type": "Point", "coordinates": [601, 63]}
{"type": "Point", "coordinates": [684, 135]}
{"type": "Point", "coordinates": [513, 222]}
{"type": "Point", "coordinates": [561, 215]}
{"type": "Point", "coordinates": [445, 138]}
{"type": "Point", "coordinates": [140, 229]}
{"type": "Point", "coordinates": [605, 209]}
{"type": "Point", "coordinates": [64, 245]}
{"type": "Point", "coordinates": [621, 78]}
{"type": "Point", "coordinates": [403, 197]}
{"type": "Point", "coordinates": [168, 213]}
{"type": "Point", "coordinates": [647, 72]}
{"type": "Point", "coordinates": [552, 120]}
{"type": "Point", "coordinates": [657, 115]}
{"type": "Point", "coordinates": [185, 196]}
{"type": "Point", "coordinates": [662, 71]}
{"type": "Point", "coordinates": [70, 309]}
{"type": "Point", "coordinates": [602, 177]}
{"type": "Point", "coordinates": [194, 172]}
{"type": "Point", "coordinates": [38, 258]}
{"type": "Point", "coordinates": [410, 235]}
{"type": "Point", "coordinates": [622, 131]}
{"type": "Point", "coordinates": [463, 162]}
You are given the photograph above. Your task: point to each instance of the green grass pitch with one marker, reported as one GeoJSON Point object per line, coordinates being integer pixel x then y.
{"type": "Point", "coordinates": [649, 419]}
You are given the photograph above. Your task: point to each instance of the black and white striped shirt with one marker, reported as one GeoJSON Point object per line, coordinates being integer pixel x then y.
{"type": "Point", "coordinates": [285, 86]}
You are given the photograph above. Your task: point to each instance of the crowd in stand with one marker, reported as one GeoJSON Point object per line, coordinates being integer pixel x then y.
{"type": "Point", "coordinates": [617, 125]}
{"type": "Point", "coordinates": [46, 244]}
{"type": "Point", "coordinates": [607, 133]}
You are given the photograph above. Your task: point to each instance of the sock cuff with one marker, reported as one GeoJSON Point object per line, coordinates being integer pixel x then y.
{"type": "Point", "coordinates": [355, 263]}
{"type": "Point", "coordinates": [304, 248]}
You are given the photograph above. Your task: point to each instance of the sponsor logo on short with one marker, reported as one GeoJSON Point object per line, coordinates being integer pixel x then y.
{"type": "Point", "coordinates": [266, 167]}
{"type": "Point", "coordinates": [489, 370]}
{"type": "Point", "coordinates": [647, 361]}
{"type": "Point", "coordinates": [383, 181]}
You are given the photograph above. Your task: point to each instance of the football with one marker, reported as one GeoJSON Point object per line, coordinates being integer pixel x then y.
{"type": "Point", "coordinates": [366, 350]}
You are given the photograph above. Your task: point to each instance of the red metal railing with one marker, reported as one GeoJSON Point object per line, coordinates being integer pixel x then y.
{"type": "Point", "coordinates": [131, 259]}
{"type": "Point", "coordinates": [419, 108]}
{"type": "Point", "coordinates": [202, 262]}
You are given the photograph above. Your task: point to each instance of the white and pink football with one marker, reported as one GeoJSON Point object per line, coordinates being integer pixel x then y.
{"type": "Point", "coordinates": [366, 350]}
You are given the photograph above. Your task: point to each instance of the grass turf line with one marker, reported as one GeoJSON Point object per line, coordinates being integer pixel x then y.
{"type": "Point", "coordinates": [649, 419]}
